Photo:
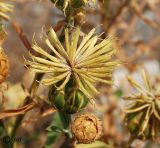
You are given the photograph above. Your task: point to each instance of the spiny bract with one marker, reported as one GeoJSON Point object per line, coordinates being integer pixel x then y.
{"type": "Point", "coordinates": [5, 8]}
{"type": "Point", "coordinates": [143, 117]}
{"type": "Point", "coordinates": [86, 62]}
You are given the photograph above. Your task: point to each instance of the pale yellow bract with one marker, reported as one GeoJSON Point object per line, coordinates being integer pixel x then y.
{"type": "Point", "coordinates": [86, 62]}
{"type": "Point", "coordinates": [146, 101]}
{"type": "Point", "coordinates": [5, 8]}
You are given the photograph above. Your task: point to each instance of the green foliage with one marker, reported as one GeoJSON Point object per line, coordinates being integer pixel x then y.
{"type": "Point", "coordinates": [58, 126]}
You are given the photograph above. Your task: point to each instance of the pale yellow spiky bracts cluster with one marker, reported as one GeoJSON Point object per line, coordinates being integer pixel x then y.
{"type": "Point", "coordinates": [86, 62]}
{"type": "Point", "coordinates": [143, 117]}
{"type": "Point", "coordinates": [5, 8]}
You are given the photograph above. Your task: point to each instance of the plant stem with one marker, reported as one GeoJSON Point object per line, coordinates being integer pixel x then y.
{"type": "Point", "coordinates": [130, 141]}
{"type": "Point", "coordinates": [4, 142]}
{"type": "Point", "coordinates": [67, 142]}
{"type": "Point", "coordinates": [35, 84]}
{"type": "Point", "coordinates": [32, 91]}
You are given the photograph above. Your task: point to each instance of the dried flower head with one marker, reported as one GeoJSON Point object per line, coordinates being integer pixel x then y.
{"type": "Point", "coordinates": [4, 65]}
{"type": "Point", "coordinates": [86, 128]}
{"type": "Point", "coordinates": [143, 118]}
{"type": "Point", "coordinates": [5, 8]}
{"type": "Point", "coordinates": [85, 62]}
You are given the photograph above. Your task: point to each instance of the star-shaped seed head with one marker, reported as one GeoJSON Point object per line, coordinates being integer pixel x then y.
{"type": "Point", "coordinates": [84, 60]}
{"type": "Point", "coordinates": [143, 117]}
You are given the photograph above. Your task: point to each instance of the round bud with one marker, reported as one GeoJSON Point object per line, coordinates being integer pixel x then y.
{"type": "Point", "coordinates": [86, 128]}
{"type": "Point", "coordinates": [70, 102]}
{"type": "Point", "coordinates": [75, 102]}
{"type": "Point", "coordinates": [56, 98]}
{"type": "Point", "coordinates": [59, 101]}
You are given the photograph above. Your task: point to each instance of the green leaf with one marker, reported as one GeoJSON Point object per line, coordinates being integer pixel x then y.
{"type": "Point", "coordinates": [51, 139]}
{"type": "Point", "coordinates": [58, 126]}
{"type": "Point", "coordinates": [96, 144]}
{"type": "Point", "coordinates": [57, 129]}
{"type": "Point", "coordinates": [54, 128]}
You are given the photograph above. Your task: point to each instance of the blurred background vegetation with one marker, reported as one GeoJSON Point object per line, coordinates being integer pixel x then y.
{"type": "Point", "coordinates": [135, 23]}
